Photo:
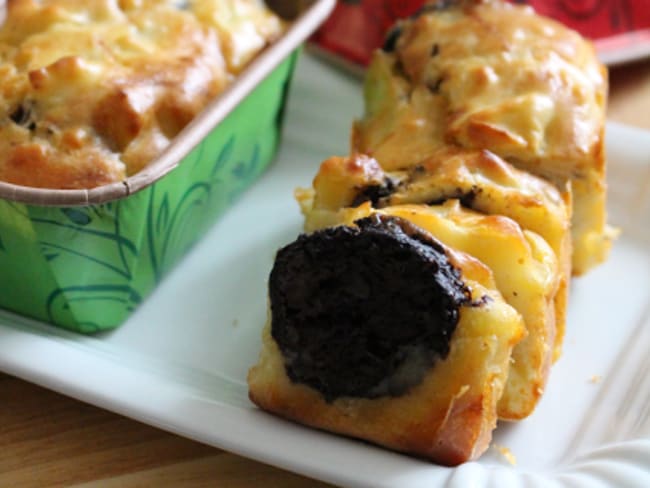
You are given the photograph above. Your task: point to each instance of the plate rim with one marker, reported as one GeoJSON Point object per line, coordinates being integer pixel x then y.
{"type": "Point", "coordinates": [605, 464]}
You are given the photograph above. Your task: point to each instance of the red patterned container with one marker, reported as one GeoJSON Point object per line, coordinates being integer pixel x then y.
{"type": "Point", "coordinates": [620, 28]}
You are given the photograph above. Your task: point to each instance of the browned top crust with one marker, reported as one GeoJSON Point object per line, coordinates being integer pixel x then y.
{"type": "Point", "coordinates": [492, 75]}
{"type": "Point", "coordinates": [93, 91]}
{"type": "Point", "coordinates": [519, 84]}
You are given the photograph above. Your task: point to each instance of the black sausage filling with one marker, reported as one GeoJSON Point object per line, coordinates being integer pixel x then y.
{"type": "Point", "coordinates": [364, 311]}
{"type": "Point", "coordinates": [375, 193]}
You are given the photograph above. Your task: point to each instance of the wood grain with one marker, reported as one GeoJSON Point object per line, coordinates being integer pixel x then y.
{"type": "Point", "coordinates": [48, 440]}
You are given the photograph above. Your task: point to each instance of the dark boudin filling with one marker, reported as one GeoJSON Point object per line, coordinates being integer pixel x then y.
{"type": "Point", "coordinates": [375, 193]}
{"type": "Point", "coordinates": [364, 311]}
{"type": "Point", "coordinates": [381, 196]}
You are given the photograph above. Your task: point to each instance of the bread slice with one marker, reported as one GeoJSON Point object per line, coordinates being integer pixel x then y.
{"type": "Point", "coordinates": [348, 342]}
{"type": "Point", "coordinates": [531, 274]}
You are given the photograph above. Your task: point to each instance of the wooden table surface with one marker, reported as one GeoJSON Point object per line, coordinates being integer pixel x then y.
{"type": "Point", "coordinates": [47, 439]}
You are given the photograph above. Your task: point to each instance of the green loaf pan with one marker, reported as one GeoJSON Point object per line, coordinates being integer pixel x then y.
{"type": "Point", "coordinates": [85, 259]}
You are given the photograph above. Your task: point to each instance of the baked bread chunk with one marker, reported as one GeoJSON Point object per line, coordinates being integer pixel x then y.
{"type": "Point", "coordinates": [525, 266]}
{"type": "Point", "coordinates": [486, 74]}
{"type": "Point", "coordinates": [92, 91]}
{"type": "Point", "coordinates": [378, 331]}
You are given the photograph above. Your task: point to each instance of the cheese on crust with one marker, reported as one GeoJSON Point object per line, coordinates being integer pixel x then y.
{"type": "Point", "coordinates": [492, 75]}
{"type": "Point", "coordinates": [92, 91]}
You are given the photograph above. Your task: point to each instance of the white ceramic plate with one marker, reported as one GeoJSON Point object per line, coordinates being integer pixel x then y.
{"type": "Point", "coordinates": [180, 363]}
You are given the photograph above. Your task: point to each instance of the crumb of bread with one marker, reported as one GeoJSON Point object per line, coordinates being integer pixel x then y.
{"type": "Point", "coordinates": [507, 454]}
{"type": "Point", "coordinates": [595, 379]}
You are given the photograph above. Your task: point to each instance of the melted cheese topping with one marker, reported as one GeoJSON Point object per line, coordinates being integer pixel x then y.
{"type": "Point", "coordinates": [492, 75]}
{"type": "Point", "coordinates": [93, 91]}
{"type": "Point", "coordinates": [502, 78]}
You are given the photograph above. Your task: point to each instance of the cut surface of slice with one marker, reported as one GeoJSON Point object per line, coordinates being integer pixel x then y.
{"type": "Point", "coordinates": [419, 374]}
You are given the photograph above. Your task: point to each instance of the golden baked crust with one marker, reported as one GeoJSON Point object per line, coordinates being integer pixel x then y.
{"type": "Point", "coordinates": [448, 417]}
{"type": "Point", "coordinates": [526, 267]}
{"type": "Point", "coordinates": [93, 91]}
{"type": "Point", "coordinates": [492, 75]}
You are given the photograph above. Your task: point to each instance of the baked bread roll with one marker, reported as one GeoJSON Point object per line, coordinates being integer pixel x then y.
{"type": "Point", "coordinates": [526, 268]}
{"type": "Point", "coordinates": [92, 91]}
{"type": "Point", "coordinates": [380, 332]}
{"type": "Point", "coordinates": [486, 74]}
{"type": "Point", "coordinates": [483, 136]}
